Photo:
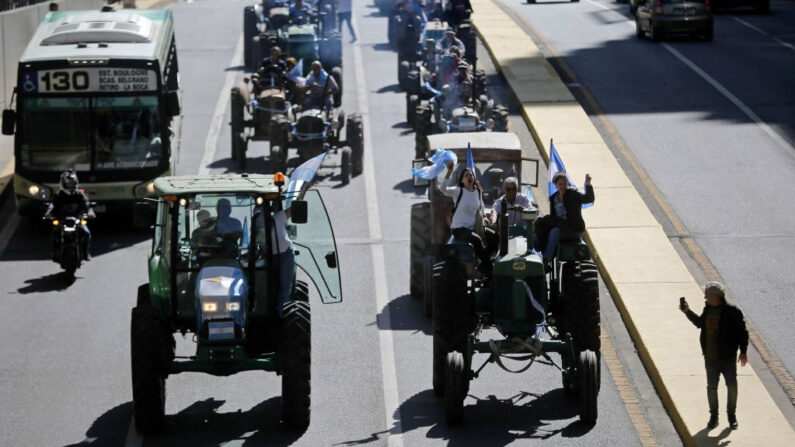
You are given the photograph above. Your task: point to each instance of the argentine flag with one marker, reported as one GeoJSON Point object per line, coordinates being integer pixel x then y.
{"type": "Point", "coordinates": [555, 166]}
{"type": "Point", "coordinates": [303, 177]}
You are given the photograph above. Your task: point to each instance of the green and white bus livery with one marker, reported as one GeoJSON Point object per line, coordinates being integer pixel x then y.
{"type": "Point", "coordinates": [97, 92]}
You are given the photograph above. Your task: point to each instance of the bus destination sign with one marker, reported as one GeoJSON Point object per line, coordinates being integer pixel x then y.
{"type": "Point", "coordinates": [90, 79]}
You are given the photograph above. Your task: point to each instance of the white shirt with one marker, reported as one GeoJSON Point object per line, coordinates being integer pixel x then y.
{"type": "Point", "coordinates": [514, 217]}
{"type": "Point", "coordinates": [466, 214]}
{"type": "Point", "coordinates": [280, 243]}
{"type": "Point", "coordinates": [344, 5]}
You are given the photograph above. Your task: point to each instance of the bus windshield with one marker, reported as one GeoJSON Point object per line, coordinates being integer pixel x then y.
{"type": "Point", "coordinates": [59, 133]}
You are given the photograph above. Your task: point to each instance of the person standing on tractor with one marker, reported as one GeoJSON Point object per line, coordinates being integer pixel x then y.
{"type": "Point", "coordinates": [457, 11]}
{"type": "Point", "coordinates": [565, 214]}
{"type": "Point", "coordinates": [281, 249]}
{"type": "Point", "coordinates": [448, 41]}
{"type": "Point", "coordinates": [468, 197]}
{"type": "Point", "coordinates": [300, 13]}
{"type": "Point", "coordinates": [344, 11]}
{"type": "Point", "coordinates": [273, 69]}
{"type": "Point", "coordinates": [515, 201]}
{"type": "Point", "coordinates": [320, 88]}
{"type": "Point", "coordinates": [462, 83]}
{"type": "Point", "coordinates": [723, 331]}
{"type": "Point", "coordinates": [72, 202]}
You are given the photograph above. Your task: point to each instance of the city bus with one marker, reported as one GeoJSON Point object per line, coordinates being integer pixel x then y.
{"type": "Point", "coordinates": [97, 92]}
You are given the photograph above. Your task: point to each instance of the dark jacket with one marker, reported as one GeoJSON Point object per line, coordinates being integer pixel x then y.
{"type": "Point", "coordinates": [71, 205]}
{"type": "Point", "coordinates": [572, 201]}
{"type": "Point", "coordinates": [732, 333]}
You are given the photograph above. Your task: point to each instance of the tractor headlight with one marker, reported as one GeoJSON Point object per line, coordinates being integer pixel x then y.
{"type": "Point", "coordinates": [210, 307]}
{"type": "Point", "coordinates": [232, 307]}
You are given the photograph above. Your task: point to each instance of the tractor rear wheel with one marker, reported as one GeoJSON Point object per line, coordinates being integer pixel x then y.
{"type": "Point", "coordinates": [455, 387]}
{"type": "Point", "coordinates": [242, 148]}
{"type": "Point", "coordinates": [336, 73]}
{"type": "Point", "coordinates": [427, 285]}
{"type": "Point", "coordinates": [403, 71]}
{"type": "Point", "coordinates": [411, 108]}
{"type": "Point", "coordinates": [249, 31]}
{"type": "Point", "coordinates": [354, 137]}
{"type": "Point", "coordinates": [150, 353]}
{"type": "Point", "coordinates": [238, 105]}
{"type": "Point", "coordinates": [419, 240]}
{"type": "Point", "coordinates": [588, 378]}
{"type": "Point", "coordinates": [452, 309]}
{"type": "Point", "coordinates": [297, 360]}
{"type": "Point", "coordinates": [345, 165]}
{"type": "Point", "coordinates": [277, 159]}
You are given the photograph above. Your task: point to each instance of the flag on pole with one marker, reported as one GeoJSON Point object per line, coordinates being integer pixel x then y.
{"type": "Point", "coordinates": [470, 159]}
{"type": "Point", "coordinates": [556, 165]}
{"type": "Point", "coordinates": [295, 73]}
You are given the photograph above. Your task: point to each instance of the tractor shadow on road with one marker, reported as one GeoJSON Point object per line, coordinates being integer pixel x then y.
{"type": "Point", "coordinates": [110, 429]}
{"type": "Point", "coordinates": [407, 315]}
{"type": "Point", "coordinates": [200, 424]}
{"type": "Point", "coordinates": [490, 421]}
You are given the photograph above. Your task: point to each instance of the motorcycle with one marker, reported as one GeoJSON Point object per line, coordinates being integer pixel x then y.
{"type": "Point", "coordinates": [68, 241]}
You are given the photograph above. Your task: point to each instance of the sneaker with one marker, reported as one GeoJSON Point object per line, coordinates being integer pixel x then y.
{"type": "Point", "coordinates": [733, 422]}
{"type": "Point", "coordinates": [713, 421]}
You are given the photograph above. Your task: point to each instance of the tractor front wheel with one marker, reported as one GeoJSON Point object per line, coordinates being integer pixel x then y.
{"type": "Point", "coordinates": [588, 379]}
{"type": "Point", "coordinates": [354, 137]}
{"type": "Point", "coordinates": [296, 357]}
{"type": "Point", "coordinates": [149, 353]}
{"type": "Point", "coordinates": [455, 387]}
{"type": "Point", "coordinates": [427, 285]}
{"type": "Point", "coordinates": [419, 239]}
{"type": "Point", "coordinates": [451, 317]}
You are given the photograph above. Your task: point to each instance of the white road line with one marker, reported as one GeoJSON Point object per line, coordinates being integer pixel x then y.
{"type": "Point", "coordinates": [217, 121]}
{"type": "Point", "coordinates": [775, 136]}
{"type": "Point", "coordinates": [388, 371]}
{"type": "Point", "coordinates": [764, 33]}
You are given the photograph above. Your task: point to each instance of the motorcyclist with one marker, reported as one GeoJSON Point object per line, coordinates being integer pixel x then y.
{"type": "Point", "coordinates": [72, 202]}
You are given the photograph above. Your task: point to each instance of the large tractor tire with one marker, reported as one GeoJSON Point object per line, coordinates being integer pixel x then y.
{"type": "Point", "coordinates": [277, 159]}
{"type": "Point", "coordinates": [452, 315]}
{"type": "Point", "coordinates": [403, 72]}
{"type": "Point", "coordinates": [238, 105]}
{"type": "Point", "coordinates": [151, 350]}
{"type": "Point", "coordinates": [331, 50]}
{"type": "Point", "coordinates": [249, 31]}
{"type": "Point", "coordinates": [296, 361]}
{"type": "Point", "coordinates": [500, 116]}
{"type": "Point", "coordinates": [345, 165]}
{"type": "Point", "coordinates": [412, 101]}
{"type": "Point", "coordinates": [354, 137]}
{"type": "Point", "coordinates": [427, 285]}
{"type": "Point", "coordinates": [391, 30]}
{"type": "Point", "coordinates": [242, 149]}
{"type": "Point", "coordinates": [455, 387]}
{"type": "Point", "coordinates": [256, 55]}
{"type": "Point", "coordinates": [419, 241]}
{"type": "Point", "coordinates": [581, 305]}
{"type": "Point", "coordinates": [336, 73]}
{"type": "Point", "coordinates": [588, 384]}
{"type": "Point", "coordinates": [413, 81]}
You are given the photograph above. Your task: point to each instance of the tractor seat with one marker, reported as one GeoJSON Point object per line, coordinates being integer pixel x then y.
{"type": "Point", "coordinates": [271, 92]}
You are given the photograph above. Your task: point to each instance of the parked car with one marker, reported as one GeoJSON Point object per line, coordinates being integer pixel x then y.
{"type": "Point", "coordinates": [660, 17]}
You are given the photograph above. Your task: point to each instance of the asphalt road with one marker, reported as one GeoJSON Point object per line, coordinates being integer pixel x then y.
{"type": "Point", "coordinates": [65, 378]}
{"type": "Point", "coordinates": [713, 124]}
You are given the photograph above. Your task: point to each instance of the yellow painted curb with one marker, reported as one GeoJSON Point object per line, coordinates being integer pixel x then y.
{"type": "Point", "coordinates": [639, 264]}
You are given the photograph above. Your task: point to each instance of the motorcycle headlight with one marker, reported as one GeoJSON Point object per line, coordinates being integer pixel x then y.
{"type": "Point", "coordinates": [83, 222]}
{"type": "Point", "coordinates": [232, 307]}
{"type": "Point", "coordinates": [209, 307]}
{"type": "Point", "coordinates": [55, 222]}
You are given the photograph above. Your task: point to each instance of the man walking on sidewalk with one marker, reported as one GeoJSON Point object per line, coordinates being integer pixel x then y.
{"type": "Point", "coordinates": [722, 332]}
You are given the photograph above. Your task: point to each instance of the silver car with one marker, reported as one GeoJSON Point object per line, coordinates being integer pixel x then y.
{"type": "Point", "coordinates": [661, 17]}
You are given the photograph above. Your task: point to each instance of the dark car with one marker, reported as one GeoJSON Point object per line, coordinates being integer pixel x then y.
{"type": "Point", "coordinates": [661, 17]}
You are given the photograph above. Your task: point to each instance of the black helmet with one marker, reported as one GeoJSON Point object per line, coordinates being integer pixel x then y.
{"type": "Point", "coordinates": [69, 181]}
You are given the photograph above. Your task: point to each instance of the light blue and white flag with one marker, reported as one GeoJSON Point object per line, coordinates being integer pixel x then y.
{"type": "Point", "coordinates": [303, 176]}
{"type": "Point", "coordinates": [438, 161]}
{"type": "Point", "coordinates": [470, 159]}
{"type": "Point", "coordinates": [295, 73]}
{"type": "Point", "coordinates": [555, 166]}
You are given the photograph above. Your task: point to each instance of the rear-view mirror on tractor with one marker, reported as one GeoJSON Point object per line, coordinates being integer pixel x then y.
{"type": "Point", "coordinates": [529, 172]}
{"type": "Point", "coordinates": [9, 121]}
{"type": "Point", "coordinates": [419, 164]}
{"type": "Point", "coordinates": [298, 212]}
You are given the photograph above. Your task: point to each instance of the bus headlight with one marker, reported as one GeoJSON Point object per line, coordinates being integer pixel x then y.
{"type": "Point", "coordinates": [232, 307]}
{"type": "Point", "coordinates": [39, 192]}
{"type": "Point", "coordinates": [34, 190]}
{"type": "Point", "coordinates": [145, 189]}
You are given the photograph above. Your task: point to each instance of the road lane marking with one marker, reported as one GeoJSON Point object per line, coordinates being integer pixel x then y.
{"type": "Point", "coordinates": [710, 272]}
{"type": "Point", "coordinates": [217, 121]}
{"type": "Point", "coordinates": [765, 33]}
{"type": "Point", "coordinates": [388, 370]}
{"type": "Point", "coordinates": [775, 136]}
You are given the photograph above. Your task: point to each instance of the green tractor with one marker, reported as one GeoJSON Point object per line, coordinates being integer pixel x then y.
{"type": "Point", "coordinates": [219, 280]}
{"type": "Point", "coordinates": [497, 155]}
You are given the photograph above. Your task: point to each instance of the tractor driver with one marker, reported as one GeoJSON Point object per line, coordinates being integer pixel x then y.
{"type": "Point", "coordinates": [463, 82]}
{"type": "Point", "coordinates": [273, 69]}
{"type": "Point", "coordinates": [205, 233]}
{"type": "Point", "coordinates": [515, 201]}
{"type": "Point", "coordinates": [448, 41]}
{"type": "Point", "coordinates": [300, 12]}
{"type": "Point", "coordinates": [227, 224]}
{"type": "Point", "coordinates": [320, 88]}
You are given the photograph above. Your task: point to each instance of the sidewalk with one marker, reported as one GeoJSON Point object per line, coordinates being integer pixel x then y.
{"type": "Point", "coordinates": [7, 142]}
{"type": "Point", "coordinates": [641, 268]}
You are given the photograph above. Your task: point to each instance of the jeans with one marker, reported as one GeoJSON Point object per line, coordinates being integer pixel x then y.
{"type": "Point", "coordinates": [552, 243]}
{"type": "Point", "coordinates": [286, 264]}
{"type": "Point", "coordinates": [477, 243]}
{"type": "Point", "coordinates": [727, 367]}
{"type": "Point", "coordinates": [345, 17]}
